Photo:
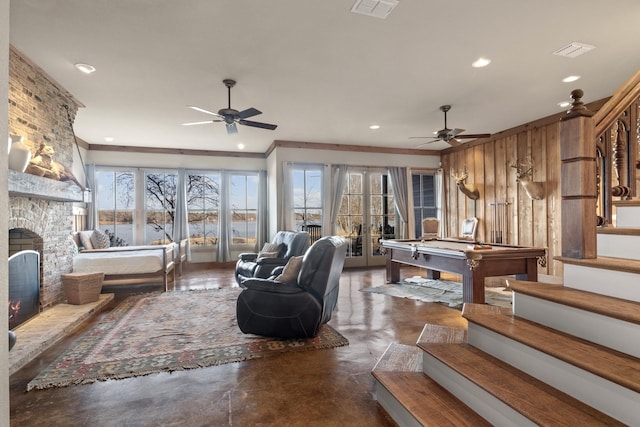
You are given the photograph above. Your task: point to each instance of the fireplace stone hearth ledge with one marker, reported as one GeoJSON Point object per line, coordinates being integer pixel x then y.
{"type": "Point", "coordinates": [27, 185]}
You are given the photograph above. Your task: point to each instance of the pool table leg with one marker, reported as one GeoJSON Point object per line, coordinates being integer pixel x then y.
{"type": "Point", "coordinates": [393, 271]}
{"type": "Point", "coordinates": [532, 271]}
{"type": "Point", "coordinates": [433, 274]}
{"type": "Point", "coordinates": [473, 287]}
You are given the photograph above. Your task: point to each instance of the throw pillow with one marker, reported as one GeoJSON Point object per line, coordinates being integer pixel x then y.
{"type": "Point", "coordinates": [99, 240]}
{"type": "Point", "coordinates": [291, 270]}
{"type": "Point", "coordinates": [85, 239]}
{"type": "Point", "coordinates": [268, 249]}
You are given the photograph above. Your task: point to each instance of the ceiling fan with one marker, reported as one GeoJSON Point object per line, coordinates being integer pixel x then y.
{"type": "Point", "coordinates": [450, 136]}
{"type": "Point", "coordinates": [230, 116]}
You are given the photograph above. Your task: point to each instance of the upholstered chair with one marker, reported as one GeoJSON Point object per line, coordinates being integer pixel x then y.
{"type": "Point", "coordinates": [285, 244]}
{"type": "Point", "coordinates": [430, 228]}
{"type": "Point", "coordinates": [295, 307]}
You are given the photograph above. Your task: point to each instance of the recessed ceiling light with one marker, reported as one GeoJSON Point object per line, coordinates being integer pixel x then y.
{"type": "Point", "coordinates": [109, 138]}
{"type": "Point", "coordinates": [86, 68]}
{"type": "Point", "coordinates": [241, 146]}
{"type": "Point", "coordinates": [570, 79]}
{"type": "Point", "coordinates": [481, 62]}
{"type": "Point", "coordinates": [564, 104]}
{"type": "Point", "coordinates": [374, 127]}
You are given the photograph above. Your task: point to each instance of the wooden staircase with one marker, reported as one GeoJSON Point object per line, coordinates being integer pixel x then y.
{"type": "Point", "coordinates": [564, 355]}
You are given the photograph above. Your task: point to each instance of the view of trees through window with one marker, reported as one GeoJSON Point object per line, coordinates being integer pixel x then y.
{"type": "Point", "coordinates": [119, 207]}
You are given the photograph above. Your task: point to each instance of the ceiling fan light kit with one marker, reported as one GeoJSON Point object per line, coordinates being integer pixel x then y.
{"type": "Point", "coordinates": [450, 136]}
{"type": "Point", "coordinates": [230, 116]}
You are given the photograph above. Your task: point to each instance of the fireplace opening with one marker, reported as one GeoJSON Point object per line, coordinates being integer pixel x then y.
{"type": "Point", "coordinates": [24, 287]}
{"type": "Point", "coordinates": [25, 273]}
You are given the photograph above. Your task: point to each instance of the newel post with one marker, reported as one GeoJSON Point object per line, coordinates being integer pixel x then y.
{"type": "Point", "coordinates": [578, 180]}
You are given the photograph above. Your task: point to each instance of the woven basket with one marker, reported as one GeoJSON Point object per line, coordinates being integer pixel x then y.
{"type": "Point", "coordinates": [82, 288]}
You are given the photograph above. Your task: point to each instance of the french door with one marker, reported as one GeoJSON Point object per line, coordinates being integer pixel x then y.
{"type": "Point", "coordinates": [367, 215]}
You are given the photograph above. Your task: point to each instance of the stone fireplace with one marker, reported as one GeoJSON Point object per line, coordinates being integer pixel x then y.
{"type": "Point", "coordinates": [44, 223]}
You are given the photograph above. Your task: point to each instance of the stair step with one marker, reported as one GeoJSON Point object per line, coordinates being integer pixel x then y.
{"type": "Point", "coordinates": [512, 396]}
{"type": "Point", "coordinates": [615, 277]}
{"type": "Point", "coordinates": [618, 243]}
{"type": "Point", "coordinates": [617, 367]}
{"type": "Point", "coordinates": [617, 308]}
{"type": "Point", "coordinates": [627, 213]}
{"type": "Point", "coordinates": [423, 401]}
{"type": "Point", "coordinates": [400, 358]}
{"type": "Point", "coordinates": [600, 319]}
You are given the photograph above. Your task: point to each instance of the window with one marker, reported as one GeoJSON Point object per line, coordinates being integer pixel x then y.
{"type": "Point", "coordinates": [116, 203]}
{"type": "Point", "coordinates": [307, 196]}
{"type": "Point", "coordinates": [243, 209]}
{"type": "Point", "coordinates": [160, 207]}
{"type": "Point", "coordinates": [424, 199]}
{"type": "Point", "coordinates": [203, 204]}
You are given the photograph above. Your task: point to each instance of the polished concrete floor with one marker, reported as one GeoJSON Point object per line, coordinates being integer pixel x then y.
{"type": "Point", "coordinates": [332, 387]}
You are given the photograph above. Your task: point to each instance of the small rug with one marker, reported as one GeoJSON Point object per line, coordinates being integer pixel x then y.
{"type": "Point", "coordinates": [441, 291]}
{"type": "Point", "coordinates": [168, 331]}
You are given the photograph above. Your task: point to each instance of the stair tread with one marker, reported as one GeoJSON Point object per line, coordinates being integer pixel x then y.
{"type": "Point", "coordinates": [622, 231]}
{"type": "Point", "coordinates": [629, 202]}
{"type": "Point", "coordinates": [612, 365]}
{"type": "Point", "coordinates": [427, 401]}
{"type": "Point", "coordinates": [616, 308]}
{"type": "Point", "coordinates": [608, 263]}
{"type": "Point", "coordinates": [400, 358]}
{"type": "Point", "coordinates": [539, 402]}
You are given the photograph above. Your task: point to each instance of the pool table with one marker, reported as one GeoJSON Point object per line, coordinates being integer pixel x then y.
{"type": "Point", "coordinates": [471, 260]}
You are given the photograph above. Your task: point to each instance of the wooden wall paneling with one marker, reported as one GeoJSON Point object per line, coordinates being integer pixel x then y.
{"type": "Point", "coordinates": [461, 164]}
{"type": "Point", "coordinates": [511, 189]}
{"type": "Point", "coordinates": [500, 168]}
{"type": "Point", "coordinates": [479, 179]}
{"type": "Point", "coordinates": [446, 193]}
{"type": "Point", "coordinates": [539, 212]}
{"type": "Point", "coordinates": [553, 199]}
{"type": "Point", "coordinates": [525, 215]}
{"type": "Point", "coordinates": [471, 205]}
{"type": "Point", "coordinates": [489, 190]}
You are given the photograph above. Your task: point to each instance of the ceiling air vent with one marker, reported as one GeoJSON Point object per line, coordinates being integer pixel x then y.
{"type": "Point", "coordinates": [573, 49]}
{"type": "Point", "coordinates": [376, 8]}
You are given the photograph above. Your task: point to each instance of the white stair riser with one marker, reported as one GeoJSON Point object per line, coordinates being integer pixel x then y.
{"type": "Point", "coordinates": [628, 216]}
{"type": "Point", "coordinates": [605, 396]}
{"type": "Point", "coordinates": [486, 405]}
{"type": "Point", "coordinates": [618, 284]}
{"type": "Point", "coordinates": [618, 246]}
{"type": "Point", "coordinates": [395, 409]}
{"type": "Point", "coordinates": [606, 331]}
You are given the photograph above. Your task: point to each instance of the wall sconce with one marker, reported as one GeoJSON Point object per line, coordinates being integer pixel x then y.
{"type": "Point", "coordinates": [524, 175]}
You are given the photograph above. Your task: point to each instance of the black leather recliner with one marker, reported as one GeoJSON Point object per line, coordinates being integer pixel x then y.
{"type": "Point", "coordinates": [299, 308]}
{"type": "Point", "coordinates": [294, 243]}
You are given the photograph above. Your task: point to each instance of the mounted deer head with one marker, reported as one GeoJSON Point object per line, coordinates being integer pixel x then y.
{"type": "Point", "coordinates": [524, 175]}
{"type": "Point", "coordinates": [469, 190]}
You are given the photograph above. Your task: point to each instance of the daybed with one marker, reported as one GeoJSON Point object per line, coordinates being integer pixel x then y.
{"type": "Point", "coordinates": [124, 265]}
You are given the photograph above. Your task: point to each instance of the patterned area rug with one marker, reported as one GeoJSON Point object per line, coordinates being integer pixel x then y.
{"type": "Point", "coordinates": [170, 331]}
{"type": "Point", "coordinates": [441, 291]}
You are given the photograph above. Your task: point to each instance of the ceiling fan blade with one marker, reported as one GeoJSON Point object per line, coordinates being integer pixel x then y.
{"type": "Point", "coordinates": [202, 110]}
{"type": "Point", "coordinates": [249, 112]}
{"type": "Point", "coordinates": [456, 132]}
{"type": "Point", "coordinates": [453, 142]}
{"type": "Point", "coordinates": [474, 135]}
{"type": "Point", "coordinates": [426, 143]}
{"type": "Point", "coordinates": [422, 137]}
{"type": "Point", "coordinates": [199, 123]}
{"type": "Point", "coordinates": [257, 124]}
{"type": "Point", "coordinates": [231, 128]}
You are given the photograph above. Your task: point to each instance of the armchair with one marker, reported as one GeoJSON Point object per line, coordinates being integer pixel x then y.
{"type": "Point", "coordinates": [295, 309]}
{"type": "Point", "coordinates": [291, 243]}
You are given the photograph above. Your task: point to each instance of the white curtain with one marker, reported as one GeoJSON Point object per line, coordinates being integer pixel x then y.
{"type": "Point", "coordinates": [287, 220]}
{"type": "Point", "coordinates": [224, 229]}
{"type": "Point", "coordinates": [181, 219]}
{"type": "Point", "coordinates": [263, 212]}
{"type": "Point", "coordinates": [92, 206]}
{"type": "Point", "coordinates": [399, 182]}
{"type": "Point", "coordinates": [440, 207]}
{"type": "Point", "coordinates": [339, 178]}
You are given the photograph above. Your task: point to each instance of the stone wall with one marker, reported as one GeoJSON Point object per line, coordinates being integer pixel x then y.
{"type": "Point", "coordinates": [36, 113]}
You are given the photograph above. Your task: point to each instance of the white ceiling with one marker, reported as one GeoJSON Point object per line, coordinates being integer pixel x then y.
{"type": "Point", "coordinates": [318, 71]}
